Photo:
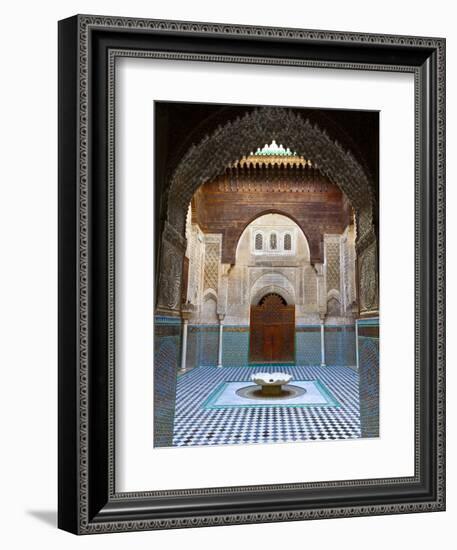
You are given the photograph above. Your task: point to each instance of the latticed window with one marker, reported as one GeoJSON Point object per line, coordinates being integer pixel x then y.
{"type": "Point", "coordinates": [259, 241]}
{"type": "Point", "coordinates": [273, 241]}
{"type": "Point", "coordinates": [287, 242]}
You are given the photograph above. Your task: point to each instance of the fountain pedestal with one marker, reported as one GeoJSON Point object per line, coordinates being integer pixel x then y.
{"type": "Point", "coordinates": [271, 383]}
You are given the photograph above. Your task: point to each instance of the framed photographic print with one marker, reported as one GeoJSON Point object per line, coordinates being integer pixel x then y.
{"type": "Point", "coordinates": [251, 274]}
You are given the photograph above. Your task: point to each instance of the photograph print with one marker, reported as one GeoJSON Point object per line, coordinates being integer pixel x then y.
{"type": "Point", "coordinates": [266, 320]}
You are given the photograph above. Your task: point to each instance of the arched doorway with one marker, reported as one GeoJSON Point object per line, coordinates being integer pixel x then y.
{"type": "Point", "coordinates": [272, 331]}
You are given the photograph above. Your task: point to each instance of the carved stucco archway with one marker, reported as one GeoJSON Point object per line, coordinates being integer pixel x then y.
{"type": "Point", "coordinates": [272, 283]}
{"type": "Point", "coordinates": [238, 138]}
{"type": "Point", "coordinates": [272, 289]}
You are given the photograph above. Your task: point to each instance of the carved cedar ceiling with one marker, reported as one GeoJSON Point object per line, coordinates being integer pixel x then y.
{"type": "Point", "coordinates": [245, 191]}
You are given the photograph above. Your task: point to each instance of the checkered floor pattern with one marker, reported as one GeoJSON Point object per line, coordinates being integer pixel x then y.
{"type": "Point", "coordinates": [197, 425]}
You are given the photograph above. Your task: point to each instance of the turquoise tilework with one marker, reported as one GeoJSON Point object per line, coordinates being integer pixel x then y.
{"type": "Point", "coordinates": [235, 347]}
{"type": "Point", "coordinates": [208, 346]}
{"type": "Point", "coordinates": [340, 346]}
{"type": "Point", "coordinates": [307, 346]}
{"type": "Point", "coordinates": [167, 336]}
{"type": "Point", "coordinates": [203, 344]}
{"type": "Point", "coordinates": [370, 322]}
{"type": "Point", "coordinates": [315, 395]}
{"type": "Point", "coordinates": [369, 381]}
{"type": "Point", "coordinates": [193, 349]}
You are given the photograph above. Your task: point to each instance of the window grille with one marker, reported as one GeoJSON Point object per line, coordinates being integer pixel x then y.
{"type": "Point", "coordinates": [259, 241]}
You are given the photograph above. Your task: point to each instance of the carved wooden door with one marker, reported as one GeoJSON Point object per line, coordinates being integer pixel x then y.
{"type": "Point", "coordinates": [272, 331]}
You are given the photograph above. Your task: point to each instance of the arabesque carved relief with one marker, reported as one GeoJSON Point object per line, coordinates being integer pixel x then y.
{"type": "Point", "coordinates": [236, 139]}
{"type": "Point", "coordinates": [369, 279]}
{"type": "Point", "coordinates": [169, 290]}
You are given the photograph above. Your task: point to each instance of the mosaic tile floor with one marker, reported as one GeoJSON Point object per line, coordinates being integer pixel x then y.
{"type": "Point", "coordinates": [196, 423]}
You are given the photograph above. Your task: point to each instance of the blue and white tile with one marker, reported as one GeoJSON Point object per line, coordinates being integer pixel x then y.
{"type": "Point", "coordinates": [196, 424]}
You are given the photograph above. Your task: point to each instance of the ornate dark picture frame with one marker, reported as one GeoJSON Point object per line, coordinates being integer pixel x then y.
{"type": "Point", "coordinates": [88, 47]}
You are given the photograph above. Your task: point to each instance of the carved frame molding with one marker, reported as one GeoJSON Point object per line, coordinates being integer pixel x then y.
{"type": "Point", "coordinates": [88, 502]}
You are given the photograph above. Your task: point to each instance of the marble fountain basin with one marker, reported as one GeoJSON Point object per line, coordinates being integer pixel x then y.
{"type": "Point", "coordinates": [271, 383]}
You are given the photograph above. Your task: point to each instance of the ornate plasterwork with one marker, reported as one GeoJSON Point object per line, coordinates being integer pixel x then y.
{"type": "Point", "coordinates": [174, 237]}
{"type": "Point", "coordinates": [237, 138]}
{"type": "Point", "coordinates": [348, 287]}
{"type": "Point", "coordinates": [333, 303]}
{"type": "Point", "coordinates": [196, 250]}
{"type": "Point", "coordinates": [211, 271]}
{"type": "Point", "coordinates": [365, 230]}
{"type": "Point", "coordinates": [276, 175]}
{"type": "Point", "coordinates": [332, 262]}
{"type": "Point", "coordinates": [368, 279]}
{"type": "Point", "coordinates": [223, 289]}
{"type": "Point", "coordinates": [173, 247]}
{"type": "Point", "coordinates": [169, 291]}
{"type": "Point", "coordinates": [274, 282]}
{"type": "Point", "coordinates": [321, 289]}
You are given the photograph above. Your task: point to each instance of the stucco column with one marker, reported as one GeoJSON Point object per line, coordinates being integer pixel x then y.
{"type": "Point", "coordinates": [322, 344]}
{"type": "Point", "coordinates": [222, 307]}
{"type": "Point", "coordinates": [221, 332]}
{"type": "Point", "coordinates": [185, 323]}
{"type": "Point", "coordinates": [357, 344]}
